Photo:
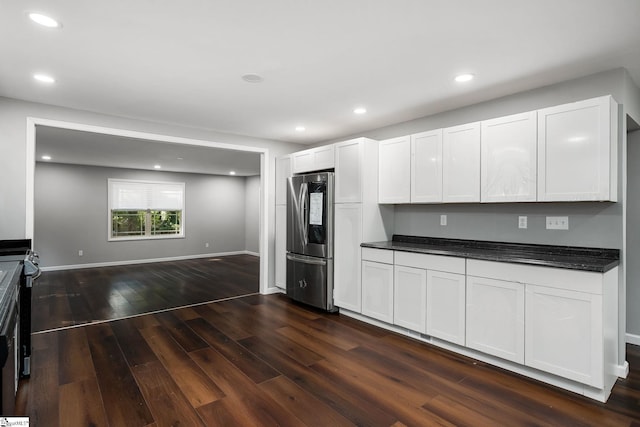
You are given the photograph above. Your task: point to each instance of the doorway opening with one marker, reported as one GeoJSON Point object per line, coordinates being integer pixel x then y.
{"type": "Point", "coordinates": [154, 140]}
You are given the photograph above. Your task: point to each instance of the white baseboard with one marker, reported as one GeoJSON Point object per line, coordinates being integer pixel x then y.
{"type": "Point", "coordinates": [144, 261]}
{"type": "Point", "coordinates": [622, 371]}
{"type": "Point", "coordinates": [273, 290]}
{"type": "Point", "coordinates": [632, 339]}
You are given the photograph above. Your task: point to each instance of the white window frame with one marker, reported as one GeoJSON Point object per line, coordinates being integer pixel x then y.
{"type": "Point", "coordinates": [150, 184]}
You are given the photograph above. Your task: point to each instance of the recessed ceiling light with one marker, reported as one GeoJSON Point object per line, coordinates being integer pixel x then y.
{"type": "Point", "coordinates": [232, 172]}
{"type": "Point", "coordinates": [360, 110]}
{"type": "Point", "coordinates": [300, 128]}
{"type": "Point", "coordinates": [157, 167]}
{"type": "Point", "coordinates": [252, 78]}
{"type": "Point", "coordinates": [44, 78]}
{"type": "Point", "coordinates": [461, 78]}
{"type": "Point", "coordinates": [44, 20]}
{"type": "Point", "coordinates": [45, 157]}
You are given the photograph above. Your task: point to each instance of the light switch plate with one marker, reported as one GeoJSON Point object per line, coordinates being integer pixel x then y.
{"type": "Point", "coordinates": [557, 223]}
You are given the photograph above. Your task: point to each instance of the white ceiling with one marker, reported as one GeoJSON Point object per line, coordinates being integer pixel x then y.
{"type": "Point", "coordinates": [181, 62]}
{"type": "Point", "coordinates": [87, 148]}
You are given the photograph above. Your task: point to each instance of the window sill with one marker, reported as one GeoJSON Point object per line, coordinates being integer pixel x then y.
{"type": "Point", "coordinates": [130, 239]}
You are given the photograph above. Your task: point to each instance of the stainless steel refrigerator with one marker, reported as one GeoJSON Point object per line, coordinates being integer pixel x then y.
{"type": "Point", "coordinates": [310, 239]}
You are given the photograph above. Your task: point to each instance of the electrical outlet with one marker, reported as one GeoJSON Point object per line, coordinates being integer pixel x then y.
{"type": "Point", "coordinates": [522, 222]}
{"type": "Point", "coordinates": [557, 223]}
{"type": "Point", "coordinates": [443, 220]}
{"type": "Point", "coordinates": [206, 245]}
{"type": "Point", "coordinates": [80, 252]}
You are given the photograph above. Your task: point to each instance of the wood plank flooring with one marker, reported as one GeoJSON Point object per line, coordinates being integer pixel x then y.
{"type": "Point", "coordinates": [265, 361]}
{"type": "Point", "coordinates": [73, 297]}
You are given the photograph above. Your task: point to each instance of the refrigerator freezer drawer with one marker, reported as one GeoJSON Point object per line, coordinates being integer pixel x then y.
{"type": "Point", "coordinates": [310, 280]}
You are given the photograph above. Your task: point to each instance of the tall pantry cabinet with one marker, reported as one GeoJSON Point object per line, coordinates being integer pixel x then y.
{"type": "Point", "coordinates": [358, 217]}
{"type": "Point", "coordinates": [283, 171]}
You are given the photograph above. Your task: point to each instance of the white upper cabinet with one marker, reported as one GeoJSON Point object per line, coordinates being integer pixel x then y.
{"type": "Point", "coordinates": [509, 158]}
{"type": "Point", "coordinates": [348, 162]}
{"type": "Point", "coordinates": [394, 180]}
{"type": "Point", "coordinates": [283, 171]}
{"type": "Point", "coordinates": [313, 159]}
{"type": "Point", "coordinates": [461, 163]}
{"type": "Point", "coordinates": [426, 167]}
{"type": "Point", "coordinates": [577, 151]}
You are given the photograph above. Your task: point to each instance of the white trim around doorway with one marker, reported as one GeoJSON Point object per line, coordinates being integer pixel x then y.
{"type": "Point", "coordinates": [32, 122]}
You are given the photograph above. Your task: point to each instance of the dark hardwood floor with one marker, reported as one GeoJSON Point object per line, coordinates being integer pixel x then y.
{"type": "Point", "coordinates": [73, 297]}
{"type": "Point", "coordinates": [263, 360]}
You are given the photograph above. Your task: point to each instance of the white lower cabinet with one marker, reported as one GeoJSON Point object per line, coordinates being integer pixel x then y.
{"type": "Point", "coordinates": [410, 298]}
{"type": "Point", "coordinates": [564, 332]}
{"type": "Point", "coordinates": [553, 322]}
{"type": "Point", "coordinates": [446, 306]}
{"type": "Point", "coordinates": [377, 290]}
{"type": "Point", "coordinates": [495, 317]}
{"type": "Point", "coordinates": [346, 263]}
{"type": "Point", "coordinates": [281, 246]}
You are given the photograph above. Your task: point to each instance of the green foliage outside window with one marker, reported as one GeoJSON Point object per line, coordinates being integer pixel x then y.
{"type": "Point", "coordinates": [130, 223]}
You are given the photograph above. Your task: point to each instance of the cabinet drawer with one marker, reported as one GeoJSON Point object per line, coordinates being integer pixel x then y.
{"type": "Point", "coordinates": [377, 255]}
{"type": "Point", "coordinates": [560, 278]}
{"type": "Point", "coordinates": [430, 262]}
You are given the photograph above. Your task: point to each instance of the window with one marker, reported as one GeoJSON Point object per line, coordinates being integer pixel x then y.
{"type": "Point", "coordinates": [145, 209]}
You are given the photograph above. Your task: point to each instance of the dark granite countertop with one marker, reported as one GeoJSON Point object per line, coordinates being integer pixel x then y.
{"type": "Point", "coordinates": [573, 258]}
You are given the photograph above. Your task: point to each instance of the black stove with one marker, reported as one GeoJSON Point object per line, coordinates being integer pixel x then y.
{"type": "Point", "coordinates": [20, 250]}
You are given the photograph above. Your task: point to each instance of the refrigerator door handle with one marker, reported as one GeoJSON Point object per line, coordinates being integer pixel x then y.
{"type": "Point", "coordinates": [302, 219]}
{"type": "Point", "coordinates": [307, 260]}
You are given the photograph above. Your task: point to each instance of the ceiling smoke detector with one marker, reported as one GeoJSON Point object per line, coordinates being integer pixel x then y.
{"type": "Point", "coordinates": [252, 78]}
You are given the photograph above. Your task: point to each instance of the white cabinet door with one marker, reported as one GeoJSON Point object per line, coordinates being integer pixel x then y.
{"type": "Point", "coordinates": [509, 158]}
{"type": "Point", "coordinates": [313, 159]}
{"type": "Point", "coordinates": [461, 163]}
{"type": "Point", "coordinates": [283, 171]}
{"type": "Point", "coordinates": [302, 161]}
{"type": "Point", "coordinates": [394, 179]}
{"type": "Point", "coordinates": [323, 157]}
{"type": "Point", "coordinates": [377, 290]}
{"type": "Point", "coordinates": [281, 246]}
{"type": "Point", "coordinates": [410, 298]}
{"type": "Point", "coordinates": [426, 167]}
{"type": "Point", "coordinates": [577, 157]}
{"type": "Point", "coordinates": [564, 333]}
{"type": "Point", "coordinates": [495, 317]}
{"type": "Point", "coordinates": [348, 186]}
{"type": "Point", "coordinates": [446, 306]}
{"type": "Point", "coordinates": [347, 291]}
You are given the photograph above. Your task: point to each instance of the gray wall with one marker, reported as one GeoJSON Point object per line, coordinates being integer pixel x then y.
{"type": "Point", "coordinates": [71, 214]}
{"type": "Point", "coordinates": [590, 223]}
{"type": "Point", "coordinates": [633, 232]}
{"type": "Point", "coordinates": [252, 214]}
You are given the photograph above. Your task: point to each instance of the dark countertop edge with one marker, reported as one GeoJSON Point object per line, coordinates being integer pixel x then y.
{"type": "Point", "coordinates": [565, 257]}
